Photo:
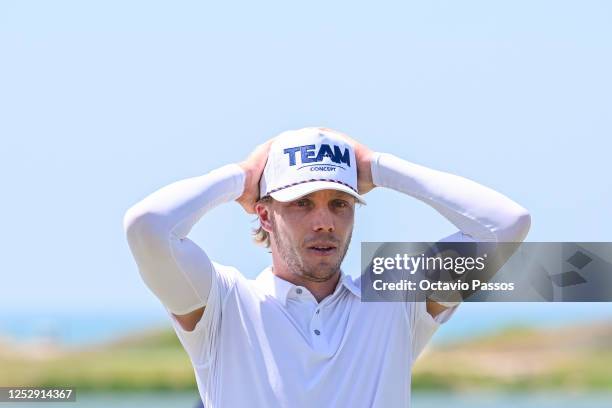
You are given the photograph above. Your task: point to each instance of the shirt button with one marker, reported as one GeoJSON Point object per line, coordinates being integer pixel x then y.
{"type": "Point", "coordinates": [317, 332]}
{"type": "Point", "coordinates": [298, 291]}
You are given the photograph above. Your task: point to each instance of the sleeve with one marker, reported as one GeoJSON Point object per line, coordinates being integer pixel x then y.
{"type": "Point", "coordinates": [423, 325]}
{"type": "Point", "coordinates": [480, 213]}
{"type": "Point", "coordinates": [202, 342]}
{"type": "Point", "coordinates": [173, 267]}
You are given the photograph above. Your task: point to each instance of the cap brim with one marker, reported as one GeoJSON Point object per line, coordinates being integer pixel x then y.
{"type": "Point", "coordinates": [299, 190]}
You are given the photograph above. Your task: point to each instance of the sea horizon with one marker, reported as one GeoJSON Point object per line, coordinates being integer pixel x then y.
{"type": "Point", "coordinates": [69, 328]}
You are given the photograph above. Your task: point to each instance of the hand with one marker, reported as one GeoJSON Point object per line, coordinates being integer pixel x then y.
{"type": "Point", "coordinates": [253, 167]}
{"type": "Point", "coordinates": [363, 155]}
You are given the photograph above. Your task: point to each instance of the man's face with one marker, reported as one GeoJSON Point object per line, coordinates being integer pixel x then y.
{"type": "Point", "coordinates": [312, 234]}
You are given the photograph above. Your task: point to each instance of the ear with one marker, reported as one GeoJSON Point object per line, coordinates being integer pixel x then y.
{"type": "Point", "coordinates": [263, 211]}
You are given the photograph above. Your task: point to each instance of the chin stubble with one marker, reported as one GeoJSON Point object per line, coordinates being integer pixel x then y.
{"type": "Point", "coordinates": [296, 266]}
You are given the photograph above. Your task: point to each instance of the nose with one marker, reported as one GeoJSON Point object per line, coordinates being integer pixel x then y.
{"type": "Point", "coordinates": [323, 220]}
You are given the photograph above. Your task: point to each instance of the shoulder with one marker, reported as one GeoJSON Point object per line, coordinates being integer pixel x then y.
{"type": "Point", "coordinates": [226, 276]}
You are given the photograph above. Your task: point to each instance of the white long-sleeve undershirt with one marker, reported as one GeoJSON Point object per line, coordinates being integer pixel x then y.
{"type": "Point", "coordinates": [478, 211]}
{"type": "Point", "coordinates": [176, 269]}
{"type": "Point", "coordinates": [180, 273]}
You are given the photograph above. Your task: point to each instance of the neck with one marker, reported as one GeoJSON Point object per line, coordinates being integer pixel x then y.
{"type": "Point", "coordinates": [320, 290]}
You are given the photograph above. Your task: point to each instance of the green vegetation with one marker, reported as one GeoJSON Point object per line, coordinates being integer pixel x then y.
{"type": "Point", "coordinates": [523, 359]}
{"type": "Point", "coordinates": [516, 359]}
{"type": "Point", "coordinates": [155, 361]}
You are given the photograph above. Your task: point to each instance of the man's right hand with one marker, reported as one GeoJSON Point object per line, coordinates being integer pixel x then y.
{"type": "Point", "coordinates": [253, 167]}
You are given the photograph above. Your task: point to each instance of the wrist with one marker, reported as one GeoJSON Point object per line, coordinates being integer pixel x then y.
{"type": "Point", "coordinates": [374, 169]}
{"type": "Point", "coordinates": [248, 173]}
{"type": "Point", "coordinates": [247, 178]}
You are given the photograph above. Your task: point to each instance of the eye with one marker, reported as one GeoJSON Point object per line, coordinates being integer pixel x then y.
{"type": "Point", "coordinates": [341, 203]}
{"type": "Point", "coordinates": [302, 202]}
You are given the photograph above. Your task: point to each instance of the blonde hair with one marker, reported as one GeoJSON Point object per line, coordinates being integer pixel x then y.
{"type": "Point", "coordinates": [260, 235]}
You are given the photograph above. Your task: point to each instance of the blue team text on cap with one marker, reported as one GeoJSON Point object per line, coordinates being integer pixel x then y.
{"type": "Point", "coordinates": [308, 154]}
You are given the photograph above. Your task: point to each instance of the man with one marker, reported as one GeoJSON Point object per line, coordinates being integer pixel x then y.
{"type": "Point", "coordinates": [298, 335]}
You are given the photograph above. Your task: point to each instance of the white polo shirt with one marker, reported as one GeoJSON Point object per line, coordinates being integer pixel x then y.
{"type": "Point", "coordinates": [268, 343]}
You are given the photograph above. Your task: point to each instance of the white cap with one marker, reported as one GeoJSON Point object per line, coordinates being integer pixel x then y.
{"type": "Point", "coordinates": [307, 160]}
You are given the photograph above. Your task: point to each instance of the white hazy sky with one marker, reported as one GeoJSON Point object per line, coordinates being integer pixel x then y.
{"type": "Point", "coordinates": [102, 102]}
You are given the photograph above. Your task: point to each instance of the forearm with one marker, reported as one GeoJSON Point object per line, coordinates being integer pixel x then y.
{"type": "Point", "coordinates": [177, 207]}
{"type": "Point", "coordinates": [177, 271]}
{"type": "Point", "coordinates": [478, 211]}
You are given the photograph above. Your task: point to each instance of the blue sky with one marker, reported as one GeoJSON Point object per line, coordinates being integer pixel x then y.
{"type": "Point", "coordinates": [101, 103]}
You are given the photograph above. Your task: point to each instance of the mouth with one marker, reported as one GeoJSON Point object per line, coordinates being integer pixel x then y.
{"type": "Point", "coordinates": [322, 249]}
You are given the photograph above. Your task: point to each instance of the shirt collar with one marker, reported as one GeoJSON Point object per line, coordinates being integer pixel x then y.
{"type": "Point", "coordinates": [280, 288]}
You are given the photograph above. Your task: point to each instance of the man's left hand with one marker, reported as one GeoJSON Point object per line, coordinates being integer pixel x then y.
{"type": "Point", "coordinates": [363, 155]}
